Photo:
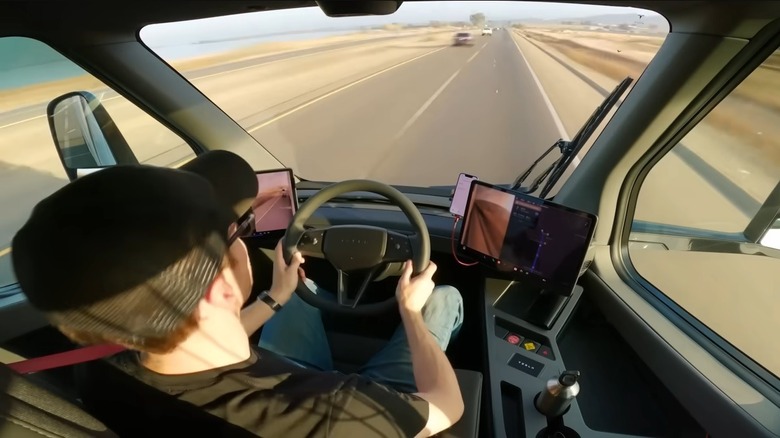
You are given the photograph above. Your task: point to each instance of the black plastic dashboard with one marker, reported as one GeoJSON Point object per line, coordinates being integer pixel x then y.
{"type": "Point", "coordinates": [371, 209]}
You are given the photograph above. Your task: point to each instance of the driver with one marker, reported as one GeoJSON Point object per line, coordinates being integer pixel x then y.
{"type": "Point", "coordinates": [153, 262]}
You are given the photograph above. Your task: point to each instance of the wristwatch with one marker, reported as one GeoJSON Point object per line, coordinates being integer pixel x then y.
{"type": "Point", "coordinates": [268, 299]}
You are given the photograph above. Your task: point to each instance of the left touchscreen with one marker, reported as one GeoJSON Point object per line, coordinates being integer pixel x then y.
{"type": "Point", "coordinates": [276, 202]}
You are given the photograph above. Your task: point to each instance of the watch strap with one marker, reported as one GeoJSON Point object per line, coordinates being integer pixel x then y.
{"type": "Point", "coordinates": [268, 299]}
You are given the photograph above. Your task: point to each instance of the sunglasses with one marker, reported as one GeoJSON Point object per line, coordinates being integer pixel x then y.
{"type": "Point", "coordinates": [245, 227]}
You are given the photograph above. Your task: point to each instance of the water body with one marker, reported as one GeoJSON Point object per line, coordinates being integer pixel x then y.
{"type": "Point", "coordinates": [29, 62]}
{"type": "Point", "coordinates": [210, 47]}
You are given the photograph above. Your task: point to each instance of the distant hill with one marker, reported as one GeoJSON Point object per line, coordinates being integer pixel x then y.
{"type": "Point", "coordinates": [617, 19]}
{"type": "Point", "coordinates": [653, 22]}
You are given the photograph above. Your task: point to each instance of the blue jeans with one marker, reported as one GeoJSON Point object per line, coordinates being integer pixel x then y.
{"type": "Point", "coordinates": [297, 333]}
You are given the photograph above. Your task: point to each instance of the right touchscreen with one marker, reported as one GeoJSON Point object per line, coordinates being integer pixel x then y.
{"type": "Point", "coordinates": [522, 234]}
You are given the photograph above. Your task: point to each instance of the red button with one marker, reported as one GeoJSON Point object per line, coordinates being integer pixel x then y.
{"type": "Point", "coordinates": [513, 338]}
{"type": "Point", "coordinates": [546, 352]}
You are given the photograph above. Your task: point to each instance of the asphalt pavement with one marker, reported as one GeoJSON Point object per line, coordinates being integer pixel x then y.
{"type": "Point", "coordinates": [474, 109]}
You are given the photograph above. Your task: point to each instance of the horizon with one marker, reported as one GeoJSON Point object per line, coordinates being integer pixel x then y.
{"type": "Point", "coordinates": [309, 19]}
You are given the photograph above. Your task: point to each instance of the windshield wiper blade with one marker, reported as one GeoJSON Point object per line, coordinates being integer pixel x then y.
{"type": "Point", "coordinates": [569, 149]}
{"type": "Point", "coordinates": [563, 145]}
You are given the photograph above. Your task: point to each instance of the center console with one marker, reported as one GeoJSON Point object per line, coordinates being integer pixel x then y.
{"type": "Point", "coordinates": [533, 251]}
{"type": "Point", "coordinates": [522, 358]}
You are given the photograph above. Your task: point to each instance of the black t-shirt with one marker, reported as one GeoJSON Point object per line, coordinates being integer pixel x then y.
{"type": "Point", "coordinates": [272, 397]}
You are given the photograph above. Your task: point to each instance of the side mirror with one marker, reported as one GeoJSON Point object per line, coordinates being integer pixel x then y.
{"type": "Point", "coordinates": [85, 135]}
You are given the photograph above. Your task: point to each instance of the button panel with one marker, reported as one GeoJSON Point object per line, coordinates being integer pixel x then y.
{"type": "Point", "coordinates": [398, 248]}
{"type": "Point", "coordinates": [524, 339]}
{"type": "Point", "coordinates": [526, 365]}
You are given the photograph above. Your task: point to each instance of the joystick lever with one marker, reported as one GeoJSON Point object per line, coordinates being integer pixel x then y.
{"type": "Point", "coordinates": [558, 394]}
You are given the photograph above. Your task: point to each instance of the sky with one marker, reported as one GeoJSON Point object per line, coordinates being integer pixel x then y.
{"type": "Point", "coordinates": [308, 19]}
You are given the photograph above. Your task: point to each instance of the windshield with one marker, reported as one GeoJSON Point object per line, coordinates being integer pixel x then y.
{"type": "Point", "coordinates": [418, 96]}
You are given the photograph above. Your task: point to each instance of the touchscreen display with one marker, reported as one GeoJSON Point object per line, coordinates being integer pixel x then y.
{"type": "Point", "coordinates": [519, 233]}
{"type": "Point", "coordinates": [276, 202]}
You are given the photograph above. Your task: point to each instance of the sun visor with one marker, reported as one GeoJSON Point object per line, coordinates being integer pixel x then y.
{"type": "Point", "coordinates": [344, 8]}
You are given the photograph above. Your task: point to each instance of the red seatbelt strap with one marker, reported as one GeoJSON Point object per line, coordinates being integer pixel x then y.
{"type": "Point", "coordinates": [72, 357]}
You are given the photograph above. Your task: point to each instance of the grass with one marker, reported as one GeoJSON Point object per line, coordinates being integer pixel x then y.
{"type": "Point", "coordinates": [726, 118]}
{"type": "Point", "coordinates": [609, 64]}
{"type": "Point", "coordinates": [760, 88]}
{"type": "Point", "coordinates": [44, 92]}
{"type": "Point", "coordinates": [14, 98]}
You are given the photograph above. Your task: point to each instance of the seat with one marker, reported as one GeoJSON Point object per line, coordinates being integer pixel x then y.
{"type": "Point", "coordinates": [159, 414]}
{"type": "Point", "coordinates": [470, 383]}
{"type": "Point", "coordinates": [171, 416]}
{"type": "Point", "coordinates": [27, 410]}
{"type": "Point", "coordinates": [349, 349]}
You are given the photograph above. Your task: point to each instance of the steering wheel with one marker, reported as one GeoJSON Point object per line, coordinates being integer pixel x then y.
{"type": "Point", "coordinates": [352, 249]}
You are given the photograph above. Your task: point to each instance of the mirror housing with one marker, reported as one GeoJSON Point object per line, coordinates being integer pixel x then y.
{"type": "Point", "coordinates": [352, 8]}
{"type": "Point", "coordinates": [84, 134]}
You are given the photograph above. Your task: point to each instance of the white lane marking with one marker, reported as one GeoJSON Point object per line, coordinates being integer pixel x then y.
{"type": "Point", "coordinates": [556, 118]}
{"type": "Point", "coordinates": [340, 89]}
{"type": "Point", "coordinates": [305, 55]}
{"type": "Point", "coordinates": [182, 162]}
{"type": "Point", "coordinates": [20, 122]}
{"type": "Point", "coordinates": [5, 251]}
{"type": "Point", "coordinates": [475, 54]}
{"type": "Point", "coordinates": [425, 106]}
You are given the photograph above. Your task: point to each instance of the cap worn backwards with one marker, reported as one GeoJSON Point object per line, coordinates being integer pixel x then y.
{"type": "Point", "coordinates": [127, 252]}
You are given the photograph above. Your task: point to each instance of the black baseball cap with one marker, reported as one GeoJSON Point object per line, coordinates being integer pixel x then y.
{"type": "Point", "coordinates": [127, 252]}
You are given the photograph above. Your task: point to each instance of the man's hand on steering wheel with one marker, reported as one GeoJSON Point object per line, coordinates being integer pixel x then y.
{"type": "Point", "coordinates": [412, 293]}
{"type": "Point", "coordinates": [360, 254]}
{"type": "Point", "coordinates": [285, 276]}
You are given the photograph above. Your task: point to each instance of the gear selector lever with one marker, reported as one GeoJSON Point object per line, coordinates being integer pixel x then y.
{"type": "Point", "coordinates": [558, 394]}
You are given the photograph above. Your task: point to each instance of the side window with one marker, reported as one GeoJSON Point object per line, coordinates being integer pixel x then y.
{"type": "Point", "coordinates": [31, 75]}
{"type": "Point", "coordinates": [705, 227]}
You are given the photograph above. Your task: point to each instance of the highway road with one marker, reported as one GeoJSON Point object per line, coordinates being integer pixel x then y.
{"type": "Point", "coordinates": [475, 109]}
